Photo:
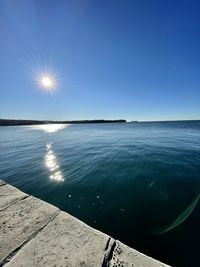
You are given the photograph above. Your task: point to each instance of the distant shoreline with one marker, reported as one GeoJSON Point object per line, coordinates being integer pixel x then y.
{"type": "Point", "coordinates": [16, 122]}
{"type": "Point", "coordinates": [10, 122]}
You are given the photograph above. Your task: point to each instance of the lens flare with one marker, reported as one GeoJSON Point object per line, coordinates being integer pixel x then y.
{"type": "Point", "coordinates": [43, 74]}
{"type": "Point", "coordinates": [46, 82]}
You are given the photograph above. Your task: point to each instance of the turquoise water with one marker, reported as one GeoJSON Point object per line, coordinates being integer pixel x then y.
{"type": "Point", "coordinates": [138, 182]}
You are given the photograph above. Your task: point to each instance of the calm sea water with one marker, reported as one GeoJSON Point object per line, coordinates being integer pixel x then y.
{"type": "Point", "coordinates": [128, 180]}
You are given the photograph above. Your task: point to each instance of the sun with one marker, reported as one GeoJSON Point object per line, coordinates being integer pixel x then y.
{"type": "Point", "coordinates": [44, 76]}
{"type": "Point", "coordinates": [47, 82]}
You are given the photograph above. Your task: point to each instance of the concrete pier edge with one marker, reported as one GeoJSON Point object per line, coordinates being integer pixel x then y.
{"type": "Point", "coordinates": [35, 233]}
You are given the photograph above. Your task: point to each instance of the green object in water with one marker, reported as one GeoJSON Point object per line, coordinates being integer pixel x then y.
{"type": "Point", "coordinates": [181, 218]}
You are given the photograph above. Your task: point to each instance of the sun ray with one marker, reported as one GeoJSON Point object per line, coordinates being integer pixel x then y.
{"type": "Point", "coordinates": [42, 74]}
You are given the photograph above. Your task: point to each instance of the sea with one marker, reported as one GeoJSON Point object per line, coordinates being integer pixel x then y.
{"type": "Point", "coordinates": [137, 182]}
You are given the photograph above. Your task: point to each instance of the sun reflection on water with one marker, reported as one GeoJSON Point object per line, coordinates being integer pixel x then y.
{"type": "Point", "coordinates": [50, 128]}
{"type": "Point", "coordinates": [52, 165]}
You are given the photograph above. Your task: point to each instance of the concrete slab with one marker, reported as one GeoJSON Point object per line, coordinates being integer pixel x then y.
{"type": "Point", "coordinates": [2, 183]}
{"type": "Point", "coordinates": [35, 233]}
{"type": "Point", "coordinates": [9, 195]}
{"type": "Point", "coordinates": [20, 221]}
{"type": "Point", "coordinates": [65, 241]}
{"type": "Point", "coordinates": [124, 256]}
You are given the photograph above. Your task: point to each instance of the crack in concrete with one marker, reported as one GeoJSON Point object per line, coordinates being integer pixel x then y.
{"type": "Point", "coordinates": [14, 202]}
{"type": "Point", "coordinates": [107, 244]}
{"type": "Point", "coordinates": [110, 246]}
{"type": "Point", "coordinates": [32, 236]}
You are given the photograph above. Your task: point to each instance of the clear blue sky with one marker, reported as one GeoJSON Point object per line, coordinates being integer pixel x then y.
{"type": "Point", "coordinates": [138, 60]}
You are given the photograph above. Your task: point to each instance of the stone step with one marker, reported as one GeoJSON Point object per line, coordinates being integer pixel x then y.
{"type": "Point", "coordinates": [35, 233]}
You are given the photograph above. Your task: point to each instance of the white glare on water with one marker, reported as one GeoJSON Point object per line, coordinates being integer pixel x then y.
{"type": "Point", "coordinates": [49, 128]}
{"type": "Point", "coordinates": [52, 165]}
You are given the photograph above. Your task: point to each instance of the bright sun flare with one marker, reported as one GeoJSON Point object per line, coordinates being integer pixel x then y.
{"type": "Point", "coordinates": [47, 82]}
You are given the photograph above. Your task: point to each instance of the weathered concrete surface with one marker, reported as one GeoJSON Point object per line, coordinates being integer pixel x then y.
{"type": "Point", "coordinates": [9, 195]}
{"type": "Point", "coordinates": [128, 257]}
{"type": "Point", "coordinates": [34, 233]}
{"type": "Point", "coordinates": [22, 220]}
{"type": "Point", "coordinates": [65, 241]}
{"type": "Point", "coordinates": [2, 182]}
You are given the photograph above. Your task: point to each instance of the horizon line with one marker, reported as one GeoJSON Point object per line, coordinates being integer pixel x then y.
{"type": "Point", "coordinates": [128, 121]}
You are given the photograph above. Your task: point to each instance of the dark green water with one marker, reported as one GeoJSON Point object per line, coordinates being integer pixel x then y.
{"type": "Point", "coordinates": [138, 182]}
